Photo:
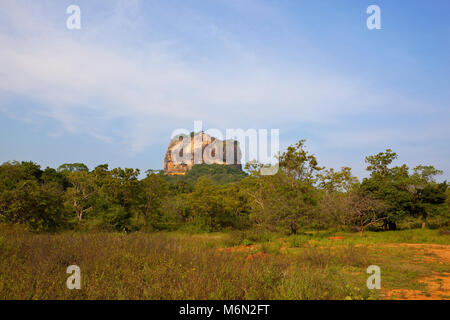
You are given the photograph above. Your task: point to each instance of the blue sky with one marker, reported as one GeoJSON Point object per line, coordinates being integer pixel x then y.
{"type": "Point", "coordinates": [114, 91]}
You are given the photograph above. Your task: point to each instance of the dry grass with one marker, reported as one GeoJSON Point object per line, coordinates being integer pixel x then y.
{"type": "Point", "coordinates": [250, 265]}
{"type": "Point", "coordinates": [159, 266]}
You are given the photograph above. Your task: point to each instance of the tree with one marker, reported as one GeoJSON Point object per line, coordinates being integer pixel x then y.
{"type": "Point", "coordinates": [333, 210]}
{"type": "Point", "coordinates": [290, 202]}
{"type": "Point", "coordinates": [389, 185]}
{"type": "Point", "coordinates": [118, 193]}
{"type": "Point", "coordinates": [51, 175]}
{"type": "Point", "coordinates": [378, 164]}
{"type": "Point", "coordinates": [215, 207]}
{"type": "Point", "coordinates": [284, 201]}
{"type": "Point", "coordinates": [426, 173]}
{"type": "Point", "coordinates": [73, 167]}
{"type": "Point", "coordinates": [296, 179]}
{"type": "Point", "coordinates": [48, 212]}
{"type": "Point", "coordinates": [79, 196]}
{"type": "Point", "coordinates": [337, 181]}
{"type": "Point", "coordinates": [429, 195]}
{"type": "Point", "coordinates": [256, 188]}
{"type": "Point", "coordinates": [154, 190]}
{"type": "Point", "coordinates": [364, 211]}
{"type": "Point", "coordinates": [298, 164]}
{"type": "Point", "coordinates": [335, 188]}
{"type": "Point", "coordinates": [446, 211]}
{"type": "Point", "coordinates": [26, 199]}
{"type": "Point", "coordinates": [404, 194]}
{"type": "Point", "coordinates": [204, 204]}
{"type": "Point", "coordinates": [235, 208]}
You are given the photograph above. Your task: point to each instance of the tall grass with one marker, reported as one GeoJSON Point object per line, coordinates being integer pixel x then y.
{"type": "Point", "coordinates": [159, 266]}
{"type": "Point", "coordinates": [371, 237]}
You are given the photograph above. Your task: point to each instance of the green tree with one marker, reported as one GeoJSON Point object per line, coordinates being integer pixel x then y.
{"type": "Point", "coordinates": [51, 175]}
{"type": "Point", "coordinates": [379, 163]}
{"type": "Point", "coordinates": [337, 181]}
{"type": "Point", "coordinates": [284, 201]}
{"type": "Point", "coordinates": [429, 195]}
{"type": "Point", "coordinates": [81, 193]}
{"type": "Point", "coordinates": [336, 189]}
{"type": "Point", "coordinates": [298, 163]}
{"type": "Point", "coordinates": [73, 167]}
{"type": "Point", "coordinates": [404, 194]}
{"type": "Point", "coordinates": [119, 200]}
{"type": "Point", "coordinates": [426, 173]}
{"type": "Point", "coordinates": [154, 191]}
{"type": "Point", "coordinates": [26, 199]}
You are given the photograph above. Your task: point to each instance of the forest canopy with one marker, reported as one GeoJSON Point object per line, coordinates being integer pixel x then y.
{"type": "Point", "coordinates": [301, 196]}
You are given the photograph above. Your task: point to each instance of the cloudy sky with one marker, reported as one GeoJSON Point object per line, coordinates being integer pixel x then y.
{"type": "Point", "coordinates": [114, 91]}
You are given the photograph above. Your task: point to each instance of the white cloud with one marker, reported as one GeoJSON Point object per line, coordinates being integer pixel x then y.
{"type": "Point", "coordinates": [85, 82]}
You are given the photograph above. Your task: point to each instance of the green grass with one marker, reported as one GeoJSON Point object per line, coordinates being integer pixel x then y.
{"type": "Point", "coordinates": [370, 237]}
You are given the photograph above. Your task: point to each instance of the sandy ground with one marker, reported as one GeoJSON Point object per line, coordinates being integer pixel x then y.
{"type": "Point", "coordinates": [438, 284]}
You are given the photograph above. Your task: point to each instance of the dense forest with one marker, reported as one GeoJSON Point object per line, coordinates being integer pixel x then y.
{"type": "Point", "coordinates": [301, 196]}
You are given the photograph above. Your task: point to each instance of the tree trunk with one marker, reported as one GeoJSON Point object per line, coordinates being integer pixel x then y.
{"type": "Point", "coordinates": [293, 226]}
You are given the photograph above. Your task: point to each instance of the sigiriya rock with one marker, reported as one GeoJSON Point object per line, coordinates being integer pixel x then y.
{"type": "Point", "coordinates": [186, 151]}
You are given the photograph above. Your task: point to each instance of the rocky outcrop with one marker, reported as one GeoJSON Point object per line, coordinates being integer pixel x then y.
{"type": "Point", "coordinates": [186, 151]}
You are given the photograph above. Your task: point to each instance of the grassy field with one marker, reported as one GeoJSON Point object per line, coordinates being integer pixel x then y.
{"type": "Point", "coordinates": [235, 265]}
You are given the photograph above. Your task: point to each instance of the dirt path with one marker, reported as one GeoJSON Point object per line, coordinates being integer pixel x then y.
{"type": "Point", "coordinates": [442, 251]}
{"type": "Point", "coordinates": [438, 284]}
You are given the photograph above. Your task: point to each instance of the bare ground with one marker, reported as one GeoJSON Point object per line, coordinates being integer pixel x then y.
{"type": "Point", "coordinates": [437, 284]}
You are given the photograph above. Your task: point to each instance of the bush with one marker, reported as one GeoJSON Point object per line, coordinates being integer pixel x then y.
{"type": "Point", "coordinates": [271, 247]}
{"type": "Point", "coordinates": [259, 235]}
{"type": "Point", "coordinates": [444, 232]}
{"type": "Point", "coordinates": [299, 240]}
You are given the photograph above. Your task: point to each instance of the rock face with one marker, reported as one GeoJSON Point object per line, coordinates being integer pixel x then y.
{"type": "Point", "coordinates": [186, 151]}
